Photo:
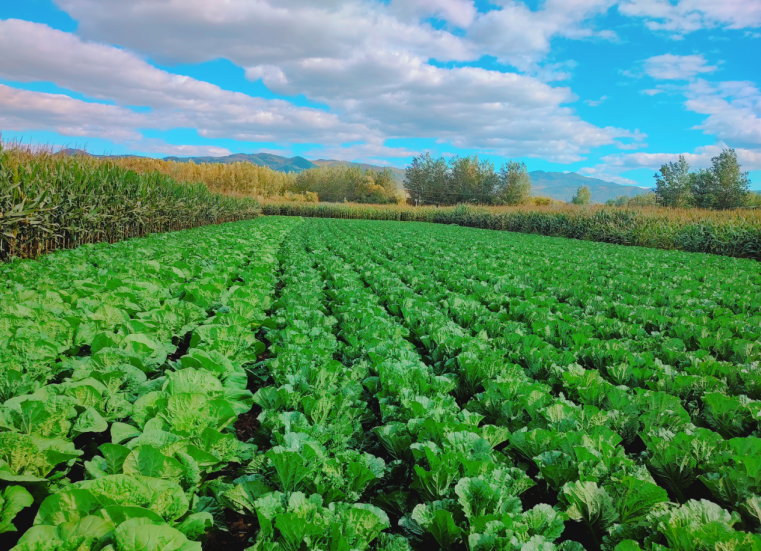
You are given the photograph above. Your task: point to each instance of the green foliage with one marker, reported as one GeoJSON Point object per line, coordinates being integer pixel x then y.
{"type": "Point", "coordinates": [723, 186]}
{"type": "Point", "coordinates": [339, 183]}
{"type": "Point", "coordinates": [52, 202]}
{"type": "Point", "coordinates": [583, 196]}
{"type": "Point", "coordinates": [674, 185]}
{"type": "Point", "coordinates": [731, 233]}
{"type": "Point", "coordinates": [515, 185]}
{"type": "Point", "coordinates": [12, 500]}
{"type": "Point", "coordinates": [436, 394]}
{"type": "Point", "coordinates": [465, 180]}
{"type": "Point", "coordinates": [642, 200]}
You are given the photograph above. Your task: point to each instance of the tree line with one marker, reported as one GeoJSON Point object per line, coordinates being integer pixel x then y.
{"type": "Point", "coordinates": [430, 181]}
{"type": "Point", "coordinates": [341, 183]}
{"type": "Point", "coordinates": [722, 186]}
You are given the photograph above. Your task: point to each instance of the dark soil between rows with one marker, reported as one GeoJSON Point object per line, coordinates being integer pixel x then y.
{"type": "Point", "coordinates": [240, 531]}
{"type": "Point", "coordinates": [248, 425]}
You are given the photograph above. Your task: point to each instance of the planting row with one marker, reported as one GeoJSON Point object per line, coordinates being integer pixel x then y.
{"type": "Point", "coordinates": [678, 452]}
{"type": "Point", "coordinates": [393, 387]}
{"type": "Point", "coordinates": [122, 380]}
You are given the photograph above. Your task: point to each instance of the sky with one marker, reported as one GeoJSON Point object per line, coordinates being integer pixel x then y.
{"type": "Point", "coordinates": [608, 89]}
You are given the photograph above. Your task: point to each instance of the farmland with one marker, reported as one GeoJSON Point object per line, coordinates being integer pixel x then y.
{"type": "Point", "coordinates": [291, 383]}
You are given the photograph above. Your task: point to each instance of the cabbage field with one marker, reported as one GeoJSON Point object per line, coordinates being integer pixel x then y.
{"type": "Point", "coordinates": [289, 384]}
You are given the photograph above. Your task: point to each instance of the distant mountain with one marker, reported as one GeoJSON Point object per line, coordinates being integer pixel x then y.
{"type": "Point", "coordinates": [275, 162]}
{"type": "Point", "coordinates": [558, 185]}
{"type": "Point", "coordinates": [563, 185]}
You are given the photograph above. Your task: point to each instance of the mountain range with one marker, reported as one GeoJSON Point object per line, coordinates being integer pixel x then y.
{"type": "Point", "coordinates": [557, 185]}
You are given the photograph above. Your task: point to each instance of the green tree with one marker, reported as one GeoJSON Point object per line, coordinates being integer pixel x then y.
{"type": "Point", "coordinates": [471, 180]}
{"type": "Point", "coordinates": [514, 186]}
{"type": "Point", "coordinates": [643, 200]}
{"type": "Point", "coordinates": [583, 196]}
{"type": "Point", "coordinates": [674, 184]}
{"type": "Point", "coordinates": [426, 180]}
{"type": "Point", "coordinates": [730, 184]}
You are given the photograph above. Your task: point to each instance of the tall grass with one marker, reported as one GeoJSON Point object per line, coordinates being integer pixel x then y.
{"type": "Point", "coordinates": [730, 233]}
{"type": "Point", "coordinates": [50, 202]}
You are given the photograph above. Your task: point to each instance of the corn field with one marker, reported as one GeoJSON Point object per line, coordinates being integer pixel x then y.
{"type": "Point", "coordinates": [50, 202]}
{"type": "Point", "coordinates": [730, 233]}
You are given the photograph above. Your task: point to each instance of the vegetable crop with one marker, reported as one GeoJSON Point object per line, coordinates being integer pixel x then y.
{"type": "Point", "coordinates": [414, 387]}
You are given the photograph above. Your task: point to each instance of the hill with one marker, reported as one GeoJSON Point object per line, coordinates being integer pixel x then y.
{"type": "Point", "coordinates": [275, 162]}
{"type": "Point", "coordinates": [563, 185]}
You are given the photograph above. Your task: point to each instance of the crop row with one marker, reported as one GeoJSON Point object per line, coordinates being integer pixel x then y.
{"type": "Point", "coordinates": [122, 380]}
{"type": "Point", "coordinates": [416, 387]}
{"type": "Point", "coordinates": [677, 451]}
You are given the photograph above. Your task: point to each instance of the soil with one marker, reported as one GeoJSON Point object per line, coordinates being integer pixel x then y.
{"type": "Point", "coordinates": [247, 424]}
{"type": "Point", "coordinates": [240, 531]}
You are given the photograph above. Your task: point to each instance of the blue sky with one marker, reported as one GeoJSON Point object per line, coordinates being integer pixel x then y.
{"type": "Point", "coordinates": [604, 88]}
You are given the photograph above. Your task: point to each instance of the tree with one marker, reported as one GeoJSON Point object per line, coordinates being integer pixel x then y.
{"type": "Point", "coordinates": [426, 180]}
{"type": "Point", "coordinates": [514, 186]}
{"type": "Point", "coordinates": [583, 196]}
{"type": "Point", "coordinates": [471, 180]}
{"type": "Point", "coordinates": [730, 185]}
{"type": "Point", "coordinates": [723, 186]}
{"type": "Point", "coordinates": [674, 184]}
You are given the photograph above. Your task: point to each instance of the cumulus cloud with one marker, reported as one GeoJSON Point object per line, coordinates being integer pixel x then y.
{"type": "Point", "coordinates": [373, 153]}
{"type": "Point", "coordinates": [261, 32]}
{"type": "Point", "coordinates": [23, 110]}
{"type": "Point", "coordinates": [105, 72]}
{"type": "Point", "coordinates": [733, 109]}
{"type": "Point", "coordinates": [457, 12]}
{"type": "Point", "coordinates": [373, 94]}
{"type": "Point", "coordinates": [699, 158]}
{"type": "Point", "coordinates": [403, 96]}
{"type": "Point", "coordinates": [677, 67]}
{"type": "Point", "coordinates": [596, 102]}
{"type": "Point", "coordinates": [686, 16]}
{"type": "Point", "coordinates": [602, 174]}
{"type": "Point", "coordinates": [161, 147]}
{"type": "Point", "coordinates": [517, 35]}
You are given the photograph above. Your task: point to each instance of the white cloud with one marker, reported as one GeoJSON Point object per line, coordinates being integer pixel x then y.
{"type": "Point", "coordinates": [403, 96]}
{"type": "Point", "coordinates": [519, 36]}
{"type": "Point", "coordinates": [686, 16]}
{"type": "Point", "coordinates": [596, 102]}
{"type": "Point", "coordinates": [733, 109]}
{"type": "Point", "coordinates": [372, 153]}
{"type": "Point", "coordinates": [677, 67]}
{"type": "Point", "coordinates": [733, 112]}
{"type": "Point", "coordinates": [601, 174]}
{"type": "Point", "coordinates": [260, 32]}
{"type": "Point", "coordinates": [373, 94]}
{"type": "Point", "coordinates": [458, 12]}
{"type": "Point", "coordinates": [157, 146]}
{"type": "Point", "coordinates": [22, 110]}
{"type": "Point", "coordinates": [105, 72]}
